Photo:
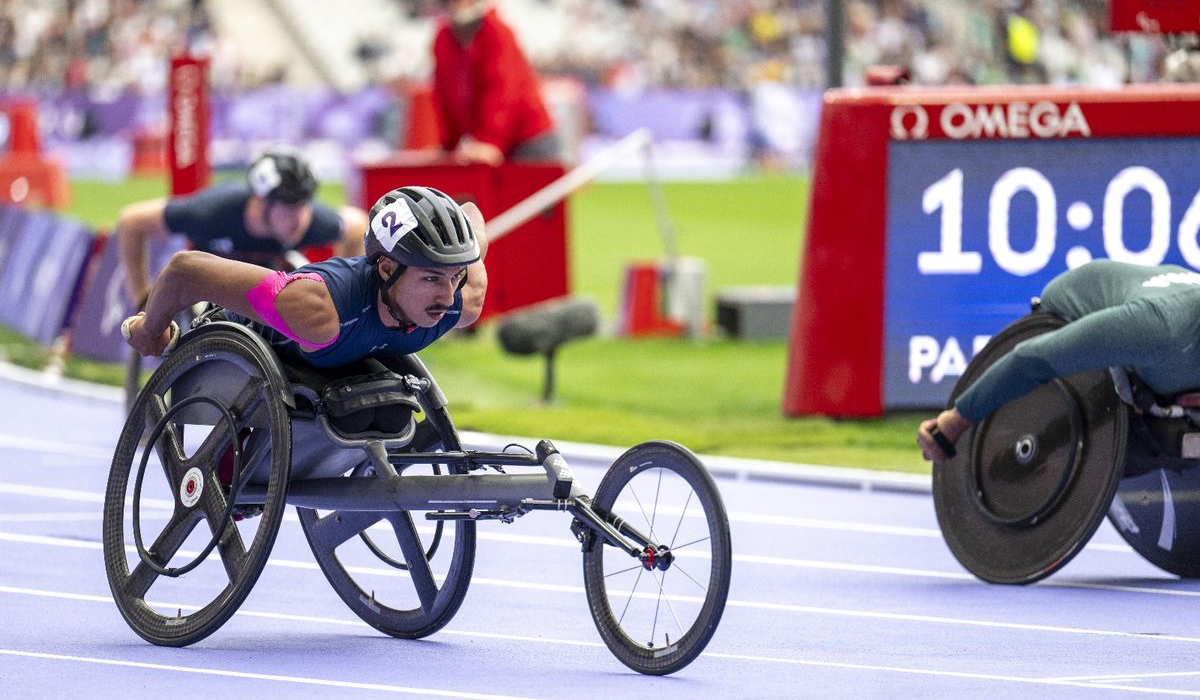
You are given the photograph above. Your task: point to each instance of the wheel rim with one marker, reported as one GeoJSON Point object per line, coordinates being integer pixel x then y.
{"type": "Point", "coordinates": [413, 600]}
{"type": "Point", "coordinates": [1031, 483]}
{"type": "Point", "coordinates": [657, 620]}
{"type": "Point", "coordinates": [183, 489]}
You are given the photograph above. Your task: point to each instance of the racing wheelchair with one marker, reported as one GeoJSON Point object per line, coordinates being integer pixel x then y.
{"type": "Point", "coordinates": [1030, 484]}
{"type": "Point", "coordinates": [226, 434]}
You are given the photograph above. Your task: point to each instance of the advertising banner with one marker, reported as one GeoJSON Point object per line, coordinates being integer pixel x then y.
{"type": "Point", "coordinates": [42, 260]}
{"type": "Point", "coordinates": [105, 303]}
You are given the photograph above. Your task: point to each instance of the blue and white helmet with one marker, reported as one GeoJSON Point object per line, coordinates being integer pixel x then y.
{"type": "Point", "coordinates": [282, 174]}
{"type": "Point", "coordinates": [420, 227]}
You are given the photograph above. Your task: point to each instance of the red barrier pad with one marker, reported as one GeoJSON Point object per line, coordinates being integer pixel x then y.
{"type": "Point", "coordinates": [527, 265]}
{"type": "Point", "coordinates": [1154, 16]}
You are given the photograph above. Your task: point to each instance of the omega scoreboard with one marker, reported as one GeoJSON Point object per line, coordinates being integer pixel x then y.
{"type": "Point", "coordinates": [937, 214]}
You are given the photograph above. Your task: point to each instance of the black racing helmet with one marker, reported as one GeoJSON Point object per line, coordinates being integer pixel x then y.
{"type": "Point", "coordinates": [282, 174]}
{"type": "Point", "coordinates": [420, 227]}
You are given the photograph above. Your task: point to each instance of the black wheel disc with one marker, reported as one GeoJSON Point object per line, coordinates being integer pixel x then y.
{"type": "Point", "coordinates": [1158, 514]}
{"type": "Point", "coordinates": [423, 595]}
{"type": "Point", "coordinates": [1032, 482]}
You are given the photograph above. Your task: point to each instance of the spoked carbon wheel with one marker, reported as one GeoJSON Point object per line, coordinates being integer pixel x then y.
{"type": "Point", "coordinates": [402, 574]}
{"type": "Point", "coordinates": [211, 416]}
{"type": "Point", "coordinates": [656, 614]}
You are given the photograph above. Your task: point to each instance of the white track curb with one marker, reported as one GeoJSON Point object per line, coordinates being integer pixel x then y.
{"type": "Point", "coordinates": [728, 467]}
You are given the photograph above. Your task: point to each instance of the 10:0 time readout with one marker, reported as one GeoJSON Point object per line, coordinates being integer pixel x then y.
{"type": "Point", "coordinates": [945, 197]}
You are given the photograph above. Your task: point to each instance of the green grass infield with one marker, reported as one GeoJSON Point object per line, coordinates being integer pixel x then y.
{"type": "Point", "coordinates": [714, 394]}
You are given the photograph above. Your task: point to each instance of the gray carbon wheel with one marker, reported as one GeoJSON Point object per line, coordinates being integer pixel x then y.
{"type": "Point", "coordinates": [1032, 482]}
{"type": "Point", "coordinates": [403, 602]}
{"type": "Point", "coordinates": [173, 481]}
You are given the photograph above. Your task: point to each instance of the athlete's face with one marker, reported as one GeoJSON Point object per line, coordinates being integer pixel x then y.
{"type": "Point", "coordinates": [287, 222]}
{"type": "Point", "coordinates": [422, 295]}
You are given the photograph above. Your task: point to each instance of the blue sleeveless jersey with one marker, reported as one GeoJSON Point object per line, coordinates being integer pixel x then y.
{"type": "Point", "coordinates": [354, 286]}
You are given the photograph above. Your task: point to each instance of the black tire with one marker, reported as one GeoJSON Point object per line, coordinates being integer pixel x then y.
{"type": "Point", "coordinates": [229, 375]}
{"type": "Point", "coordinates": [660, 633]}
{"type": "Point", "coordinates": [1030, 483]}
{"type": "Point", "coordinates": [408, 602]}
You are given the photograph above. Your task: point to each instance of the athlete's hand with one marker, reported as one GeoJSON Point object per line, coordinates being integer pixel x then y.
{"type": "Point", "coordinates": [145, 341]}
{"type": "Point", "coordinates": [938, 436]}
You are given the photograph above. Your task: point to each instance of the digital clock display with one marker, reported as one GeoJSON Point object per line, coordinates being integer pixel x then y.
{"type": "Point", "coordinates": [974, 229]}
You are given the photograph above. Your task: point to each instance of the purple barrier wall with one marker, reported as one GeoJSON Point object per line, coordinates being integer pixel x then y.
{"type": "Point", "coordinates": [44, 257]}
{"type": "Point", "coordinates": [104, 303]}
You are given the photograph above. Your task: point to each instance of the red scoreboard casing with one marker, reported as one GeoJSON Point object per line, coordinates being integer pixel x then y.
{"type": "Point", "coordinates": [1113, 172]}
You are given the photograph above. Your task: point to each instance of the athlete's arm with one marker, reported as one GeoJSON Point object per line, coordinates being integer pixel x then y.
{"type": "Point", "coordinates": [474, 291]}
{"type": "Point", "coordinates": [354, 226]}
{"type": "Point", "coordinates": [193, 276]}
{"type": "Point", "coordinates": [136, 225]}
{"type": "Point", "coordinates": [1129, 334]}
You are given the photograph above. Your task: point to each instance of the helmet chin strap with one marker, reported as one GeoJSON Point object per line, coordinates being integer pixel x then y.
{"type": "Point", "coordinates": [405, 325]}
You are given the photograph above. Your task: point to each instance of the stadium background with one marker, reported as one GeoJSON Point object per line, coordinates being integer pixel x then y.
{"type": "Point", "coordinates": [730, 90]}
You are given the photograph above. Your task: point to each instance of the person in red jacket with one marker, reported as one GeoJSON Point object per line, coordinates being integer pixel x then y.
{"type": "Point", "coordinates": [485, 93]}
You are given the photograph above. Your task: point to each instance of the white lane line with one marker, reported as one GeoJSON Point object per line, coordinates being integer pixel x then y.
{"type": "Point", "coordinates": [749, 605]}
{"type": "Point", "coordinates": [567, 541]}
{"type": "Point", "coordinates": [957, 621]}
{"type": "Point", "coordinates": [739, 558]}
{"type": "Point", "coordinates": [299, 680]}
{"type": "Point", "coordinates": [72, 495]}
{"type": "Point", "coordinates": [290, 617]}
{"type": "Point", "coordinates": [48, 492]}
{"type": "Point", "coordinates": [57, 447]}
{"type": "Point", "coordinates": [1088, 682]}
{"type": "Point", "coordinates": [49, 517]}
{"type": "Point", "coordinates": [1130, 677]}
{"type": "Point", "coordinates": [953, 674]}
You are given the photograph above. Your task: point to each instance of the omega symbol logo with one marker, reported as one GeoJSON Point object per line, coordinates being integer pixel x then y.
{"type": "Point", "coordinates": [909, 122]}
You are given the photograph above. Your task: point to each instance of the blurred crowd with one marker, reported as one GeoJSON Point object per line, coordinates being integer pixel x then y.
{"type": "Point", "coordinates": [102, 45]}
{"type": "Point", "coordinates": [935, 42]}
{"type": "Point", "coordinates": [110, 45]}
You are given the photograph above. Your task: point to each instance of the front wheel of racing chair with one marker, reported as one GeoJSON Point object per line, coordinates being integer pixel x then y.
{"type": "Point", "coordinates": [211, 421]}
{"type": "Point", "coordinates": [1030, 483]}
{"type": "Point", "coordinates": [405, 581]}
{"type": "Point", "coordinates": [657, 612]}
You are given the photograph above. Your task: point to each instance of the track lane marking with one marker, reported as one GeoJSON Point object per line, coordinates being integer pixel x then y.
{"type": "Point", "coordinates": [734, 517]}
{"type": "Point", "coordinates": [744, 604]}
{"type": "Point", "coordinates": [299, 680]}
{"type": "Point", "coordinates": [1060, 682]}
{"type": "Point", "coordinates": [738, 558]}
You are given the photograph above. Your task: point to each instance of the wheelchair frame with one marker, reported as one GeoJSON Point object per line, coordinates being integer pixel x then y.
{"type": "Point", "coordinates": [361, 480]}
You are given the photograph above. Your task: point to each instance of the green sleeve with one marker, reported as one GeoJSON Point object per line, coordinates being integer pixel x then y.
{"type": "Point", "coordinates": [1134, 333]}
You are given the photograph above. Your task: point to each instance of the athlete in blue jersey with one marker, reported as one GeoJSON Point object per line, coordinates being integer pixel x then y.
{"type": "Point", "coordinates": [422, 275]}
{"type": "Point", "coordinates": [1143, 319]}
{"type": "Point", "coordinates": [256, 221]}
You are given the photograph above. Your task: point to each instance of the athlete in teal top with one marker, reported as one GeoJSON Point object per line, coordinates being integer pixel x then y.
{"type": "Point", "coordinates": [1146, 319]}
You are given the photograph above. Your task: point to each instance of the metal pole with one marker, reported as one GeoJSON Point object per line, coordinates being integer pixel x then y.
{"type": "Point", "coordinates": [835, 45]}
